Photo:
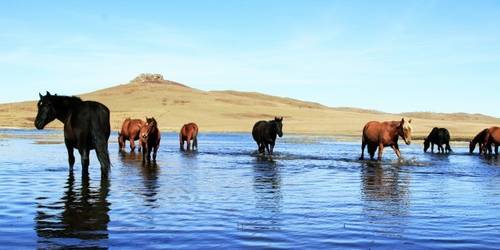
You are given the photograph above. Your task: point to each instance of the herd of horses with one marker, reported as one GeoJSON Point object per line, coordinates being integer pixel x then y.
{"type": "Point", "coordinates": [87, 127]}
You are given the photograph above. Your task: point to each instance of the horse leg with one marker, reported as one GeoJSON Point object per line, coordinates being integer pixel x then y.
{"type": "Point", "coordinates": [261, 147]}
{"type": "Point", "coordinates": [380, 151]}
{"type": "Point", "coordinates": [395, 147]}
{"type": "Point", "coordinates": [268, 150]}
{"type": "Point", "coordinates": [132, 145]}
{"type": "Point", "coordinates": [188, 141]}
{"type": "Point", "coordinates": [121, 142]}
{"type": "Point", "coordinates": [371, 150]}
{"type": "Point", "coordinates": [144, 152]}
{"type": "Point", "coordinates": [272, 148]}
{"type": "Point", "coordinates": [149, 153]}
{"type": "Point", "coordinates": [154, 152]}
{"type": "Point", "coordinates": [71, 156]}
{"type": "Point", "coordinates": [363, 145]}
{"type": "Point", "coordinates": [432, 147]}
{"type": "Point", "coordinates": [448, 148]}
{"type": "Point", "coordinates": [195, 142]}
{"type": "Point", "coordinates": [496, 149]}
{"type": "Point", "coordinates": [84, 155]}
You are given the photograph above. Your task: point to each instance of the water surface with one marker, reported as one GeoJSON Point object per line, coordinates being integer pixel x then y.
{"type": "Point", "coordinates": [314, 194]}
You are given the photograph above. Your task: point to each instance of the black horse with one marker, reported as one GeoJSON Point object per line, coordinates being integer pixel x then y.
{"type": "Point", "coordinates": [86, 126]}
{"type": "Point", "coordinates": [440, 137]}
{"type": "Point", "coordinates": [264, 133]}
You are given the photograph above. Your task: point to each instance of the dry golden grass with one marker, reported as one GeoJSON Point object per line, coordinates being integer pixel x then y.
{"type": "Point", "coordinates": [174, 104]}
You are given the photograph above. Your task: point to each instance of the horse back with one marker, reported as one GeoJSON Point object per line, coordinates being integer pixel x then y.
{"type": "Point", "coordinates": [189, 130]}
{"type": "Point", "coordinates": [375, 132]}
{"type": "Point", "coordinates": [88, 121]}
{"type": "Point", "coordinates": [439, 136]}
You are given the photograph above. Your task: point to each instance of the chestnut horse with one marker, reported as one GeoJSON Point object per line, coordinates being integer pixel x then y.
{"type": "Point", "coordinates": [130, 131]}
{"type": "Point", "coordinates": [189, 132]}
{"type": "Point", "coordinates": [492, 138]}
{"type": "Point", "coordinates": [478, 139]}
{"type": "Point", "coordinates": [385, 134]}
{"type": "Point", "coordinates": [150, 139]}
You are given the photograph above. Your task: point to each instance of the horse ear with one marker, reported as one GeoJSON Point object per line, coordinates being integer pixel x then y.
{"type": "Point", "coordinates": [41, 96]}
{"type": "Point", "coordinates": [409, 121]}
{"type": "Point", "coordinates": [48, 93]}
{"type": "Point", "coordinates": [281, 119]}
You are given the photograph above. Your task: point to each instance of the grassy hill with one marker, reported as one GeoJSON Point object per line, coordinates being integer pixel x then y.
{"type": "Point", "coordinates": [174, 104]}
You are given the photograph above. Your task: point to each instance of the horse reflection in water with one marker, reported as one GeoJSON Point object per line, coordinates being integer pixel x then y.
{"type": "Point", "coordinates": [79, 219]}
{"type": "Point", "coordinates": [268, 197]}
{"type": "Point", "coordinates": [385, 192]}
{"type": "Point", "coordinates": [149, 176]}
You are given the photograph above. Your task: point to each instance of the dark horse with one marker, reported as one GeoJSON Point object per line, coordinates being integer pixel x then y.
{"type": "Point", "coordinates": [479, 138]}
{"type": "Point", "coordinates": [264, 133]}
{"type": "Point", "coordinates": [189, 132]}
{"type": "Point", "coordinates": [86, 126]}
{"type": "Point", "coordinates": [492, 138]}
{"type": "Point", "coordinates": [150, 139]}
{"type": "Point", "coordinates": [384, 134]}
{"type": "Point", "coordinates": [130, 131]}
{"type": "Point", "coordinates": [438, 136]}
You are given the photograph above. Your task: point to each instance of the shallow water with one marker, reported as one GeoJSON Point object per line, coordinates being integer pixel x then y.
{"type": "Point", "coordinates": [314, 194]}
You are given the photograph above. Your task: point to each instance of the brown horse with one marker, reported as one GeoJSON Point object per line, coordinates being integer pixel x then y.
{"type": "Point", "coordinates": [478, 139]}
{"type": "Point", "coordinates": [385, 134]}
{"type": "Point", "coordinates": [189, 132]}
{"type": "Point", "coordinates": [150, 139]}
{"type": "Point", "coordinates": [492, 138]}
{"type": "Point", "coordinates": [130, 131]}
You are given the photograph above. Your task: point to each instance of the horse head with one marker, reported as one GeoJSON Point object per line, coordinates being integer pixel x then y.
{"type": "Point", "coordinates": [405, 130]}
{"type": "Point", "coordinates": [148, 128]}
{"type": "Point", "coordinates": [279, 125]}
{"type": "Point", "coordinates": [46, 111]}
{"type": "Point", "coordinates": [472, 146]}
{"type": "Point", "coordinates": [426, 144]}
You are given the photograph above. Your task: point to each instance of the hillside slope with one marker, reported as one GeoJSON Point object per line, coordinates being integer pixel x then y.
{"type": "Point", "coordinates": [174, 104]}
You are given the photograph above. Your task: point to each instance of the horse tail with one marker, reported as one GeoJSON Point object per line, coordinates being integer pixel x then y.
{"type": "Point", "coordinates": [100, 128]}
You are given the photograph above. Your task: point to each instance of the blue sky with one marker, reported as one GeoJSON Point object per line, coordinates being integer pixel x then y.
{"type": "Point", "coordinates": [394, 56]}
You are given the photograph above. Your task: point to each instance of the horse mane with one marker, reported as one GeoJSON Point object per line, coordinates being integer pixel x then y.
{"type": "Point", "coordinates": [65, 101]}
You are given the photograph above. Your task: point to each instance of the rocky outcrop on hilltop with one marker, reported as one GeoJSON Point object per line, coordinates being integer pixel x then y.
{"type": "Point", "coordinates": [149, 78]}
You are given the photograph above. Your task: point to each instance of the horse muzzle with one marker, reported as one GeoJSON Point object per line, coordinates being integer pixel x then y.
{"type": "Point", "coordinates": [39, 125]}
{"type": "Point", "coordinates": [407, 141]}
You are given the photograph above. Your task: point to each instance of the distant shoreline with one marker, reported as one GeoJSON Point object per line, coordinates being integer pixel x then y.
{"type": "Point", "coordinates": [333, 136]}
